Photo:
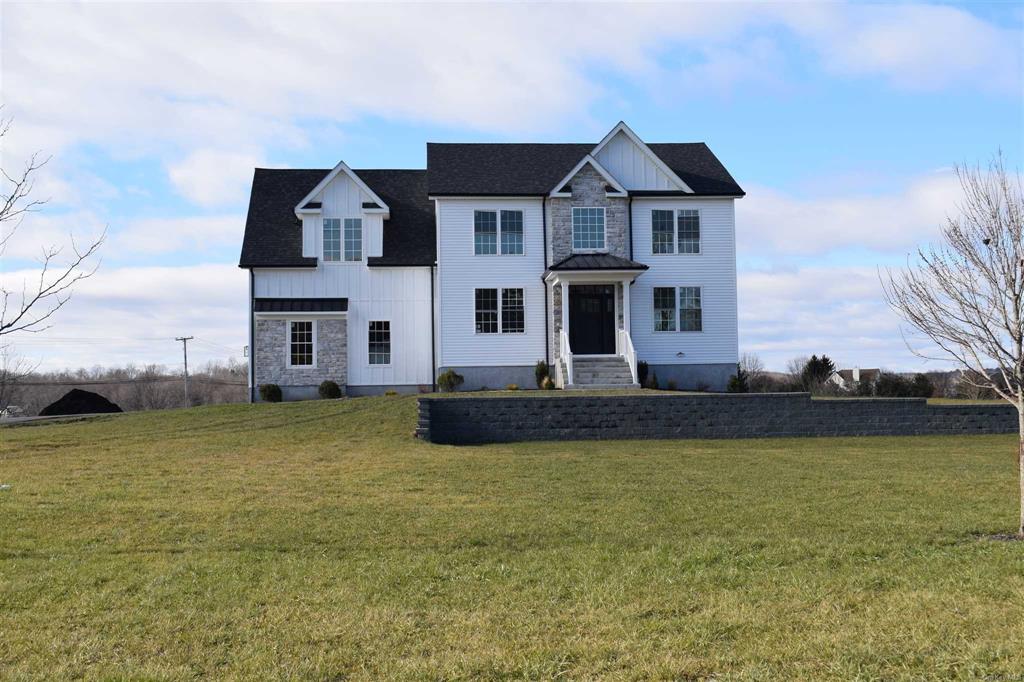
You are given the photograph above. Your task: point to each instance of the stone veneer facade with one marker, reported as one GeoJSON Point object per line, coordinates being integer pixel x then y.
{"type": "Point", "coordinates": [588, 190]}
{"type": "Point", "coordinates": [301, 382]}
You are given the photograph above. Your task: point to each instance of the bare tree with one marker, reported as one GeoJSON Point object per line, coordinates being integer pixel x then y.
{"type": "Point", "coordinates": [13, 370]}
{"type": "Point", "coordinates": [31, 309]}
{"type": "Point", "coordinates": [752, 365]}
{"type": "Point", "coordinates": [966, 295]}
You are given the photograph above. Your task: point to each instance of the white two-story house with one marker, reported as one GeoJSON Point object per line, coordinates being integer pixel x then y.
{"type": "Point", "coordinates": [592, 257]}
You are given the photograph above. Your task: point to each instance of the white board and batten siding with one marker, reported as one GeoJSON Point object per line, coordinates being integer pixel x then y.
{"type": "Point", "coordinates": [399, 295]}
{"type": "Point", "coordinates": [460, 272]}
{"type": "Point", "coordinates": [632, 167]}
{"type": "Point", "coordinates": [713, 270]}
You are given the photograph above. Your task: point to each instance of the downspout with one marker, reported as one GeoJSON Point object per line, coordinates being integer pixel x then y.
{"type": "Point", "coordinates": [433, 337]}
{"type": "Point", "coordinates": [547, 320]}
{"type": "Point", "coordinates": [252, 337]}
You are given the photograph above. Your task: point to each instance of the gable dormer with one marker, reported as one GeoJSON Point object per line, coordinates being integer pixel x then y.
{"type": "Point", "coordinates": [633, 164]}
{"type": "Point", "coordinates": [343, 215]}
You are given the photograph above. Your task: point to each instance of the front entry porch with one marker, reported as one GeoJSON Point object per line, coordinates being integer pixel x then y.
{"type": "Point", "coordinates": [591, 340]}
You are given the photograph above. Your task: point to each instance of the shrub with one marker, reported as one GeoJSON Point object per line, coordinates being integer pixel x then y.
{"type": "Point", "coordinates": [549, 384]}
{"type": "Point", "coordinates": [922, 387]}
{"type": "Point", "coordinates": [512, 387]}
{"type": "Point", "coordinates": [703, 386]}
{"type": "Point", "coordinates": [271, 393]}
{"type": "Point", "coordinates": [329, 390]}
{"type": "Point", "coordinates": [739, 382]}
{"type": "Point", "coordinates": [449, 380]}
{"type": "Point", "coordinates": [390, 392]}
{"type": "Point", "coordinates": [672, 385]}
{"type": "Point", "coordinates": [641, 372]}
{"type": "Point", "coordinates": [541, 371]}
{"type": "Point", "coordinates": [652, 383]}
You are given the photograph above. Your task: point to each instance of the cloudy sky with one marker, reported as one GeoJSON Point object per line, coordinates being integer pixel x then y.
{"type": "Point", "coordinates": [841, 121]}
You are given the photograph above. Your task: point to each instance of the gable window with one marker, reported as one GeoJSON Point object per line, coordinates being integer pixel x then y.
{"type": "Point", "coordinates": [664, 309]}
{"type": "Point", "coordinates": [300, 343]}
{"type": "Point", "coordinates": [332, 240]}
{"type": "Point", "coordinates": [513, 313]}
{"type": "Point", "coordinates": [380, 342]}
{"type": "Point", "coordinates": [689, 230]}
{"type": "Point", "coordinates": [662, 232]}
{"type": "Point", "coordinates": [512, 233]}
{"type": "Point", "coordinates": [353, 239]}
{"type": "Point", "coordinates": [690, 310]}
{"type": "Point", "coordinates": [485, 233]}
{"type": "Point", "coordinates": [512, 319]}
{"type": "Point", "coordinates": [587, 229]}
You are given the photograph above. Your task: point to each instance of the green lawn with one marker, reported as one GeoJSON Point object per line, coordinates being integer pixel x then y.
{"type": "Point", "coordinates": [320, 541]}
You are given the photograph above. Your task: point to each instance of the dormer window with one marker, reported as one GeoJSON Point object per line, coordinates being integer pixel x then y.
{"type": "Point", "coordinates": [343, 237]}
{"type": "Point", "coordinates": [332, 240]}
{"type": "Point", "coordinates": [588, 229]}
{"type": "Point", "coordinates": [353, 239]}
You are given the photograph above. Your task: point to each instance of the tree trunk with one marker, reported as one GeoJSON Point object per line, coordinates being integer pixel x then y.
{"type": "Point", "coordinates": [1020, 464]}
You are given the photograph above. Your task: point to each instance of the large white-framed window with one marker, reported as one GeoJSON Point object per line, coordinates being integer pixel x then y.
{"type": "Point", "coordinates": [678, 309]}
{"type": "Point", "coordinates": [675, 231]}
{"type": "Point", "coordinates": [353, 239]}
{"type": "Point", "coordinates": [332, 240]}
{"type": "Point", "coordinates": [487, 225]}
{"type": "Point", "coordinates": [301, 343]}
{"type": "Point", "coordinates": [588, 228]}
{"type": "Point", "coordinates": [379, 342]}
{"type": "Point", "coordinates": [500, 311]}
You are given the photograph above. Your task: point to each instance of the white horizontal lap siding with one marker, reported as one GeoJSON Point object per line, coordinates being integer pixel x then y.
{"type": "Point", "coordinates": [631, 166]}
{"type": "Point", "coordinates": [713, 270]}
{"type": "Point", "coordinates": [460, 273]}
{"type": "Point", "coordinates": [398, 295]}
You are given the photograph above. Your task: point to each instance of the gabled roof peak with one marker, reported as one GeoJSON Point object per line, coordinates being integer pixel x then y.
{"type": "Point", "coordinates": [342, 167]}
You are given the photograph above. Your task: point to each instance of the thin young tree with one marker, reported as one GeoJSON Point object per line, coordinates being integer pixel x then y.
{"type": "Point", "coordinates": [30, 309]}
{"type": "Point", "coordinates": [966, 294]}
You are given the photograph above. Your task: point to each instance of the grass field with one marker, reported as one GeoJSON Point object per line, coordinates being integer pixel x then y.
{"type": "Point", "coordinates": [320, 541]}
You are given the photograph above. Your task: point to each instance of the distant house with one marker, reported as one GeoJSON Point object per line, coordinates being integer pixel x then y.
{"type": "Point", "coordinates": [589, 256]}
{"type": "Point", "coordinates": [850, 378]}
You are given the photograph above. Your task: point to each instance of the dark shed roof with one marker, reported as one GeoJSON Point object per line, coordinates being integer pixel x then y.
{"type": "Point", "coordinates": [273, 235]}
{"type": "Point", "coordinates": [300, 305]}
{"type": "Point", "coordinates": [597, 261]}
{"type": "Point", "coordinates": [533, 169]}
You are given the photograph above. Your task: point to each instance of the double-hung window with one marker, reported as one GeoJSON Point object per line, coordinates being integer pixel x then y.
{"type": "Point", "coordinates": [486, 228]}
{"type": "Point", "coordinates": [511, 306]}
{"type": "Point", "coordinates": [588, 229]}
{"type": "Point", "coordinates": [380, 342]}
{"type": "Point", "coordinates": [332, 240]}
{"type": "Point", "coordinates": [301, 345]}
{"type": "Point", "coordinates": [353, 239]}
{"type": "Point", "coordinates": [688, 222]}
{"type": "Point", "coordinates": [675, 231]}
{"type": "Point", "coordinates": [686, 301]}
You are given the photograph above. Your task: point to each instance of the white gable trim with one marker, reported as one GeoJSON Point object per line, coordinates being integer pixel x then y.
{"type": "Point", "coordinates": [620, 191]}
{"type": "Point", "coordinates": [662, 166]}
{"type": "Point", "coordinates": [343, 168]}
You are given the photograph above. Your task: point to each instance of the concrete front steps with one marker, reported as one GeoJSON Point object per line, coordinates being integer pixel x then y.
{"type": "Point", "coordinates": [600, 373]}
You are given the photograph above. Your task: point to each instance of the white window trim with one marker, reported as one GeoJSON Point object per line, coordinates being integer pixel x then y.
{"type": "Point", "coordinates": [341, 255]}
{"type": "Point", "coordinates": [288, 342]}
{"type": "Point", "coordinates": [501, 228]}
{"type": "Point", "coordinates": [572, 229]}
{"type": "Point", "coordinates": [679, 321]}
{"type": "Point", "coordinates": [675, 232]}
{"type": "Point", "coordinates": [501, 296]}
{"type": "Point", "coordinates": [391, 354]}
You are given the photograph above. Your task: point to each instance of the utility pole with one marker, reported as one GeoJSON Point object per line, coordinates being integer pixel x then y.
{"type": "Point", "coordinates": [184, 346]}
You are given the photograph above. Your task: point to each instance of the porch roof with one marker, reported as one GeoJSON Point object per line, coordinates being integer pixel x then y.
{"type": "Point", "coordinates": [596, 261]}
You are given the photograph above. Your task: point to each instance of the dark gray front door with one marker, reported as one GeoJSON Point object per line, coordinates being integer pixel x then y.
{"type": "Point", "coordinates": [592, 319]}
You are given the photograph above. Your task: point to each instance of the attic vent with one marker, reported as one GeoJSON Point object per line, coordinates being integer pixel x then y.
{"type": "Point", "coordinates": [370, 204]}
{"type": "Point", "coordinates": [566, 190]}
{"type": "Point", "coordinates": [609, 188]}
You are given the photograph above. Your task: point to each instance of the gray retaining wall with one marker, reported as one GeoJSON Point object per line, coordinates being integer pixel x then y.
{"type": "Point", "coordinates": [469, 420]}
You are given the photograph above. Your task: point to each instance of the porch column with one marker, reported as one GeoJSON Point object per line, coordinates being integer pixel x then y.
{"type": "Point", "coordinates": [625, 307]}
{"type": "Point", "coordinates": [565, 308]}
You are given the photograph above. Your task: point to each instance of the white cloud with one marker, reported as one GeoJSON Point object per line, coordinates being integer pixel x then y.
{"type": "Point", "coordinates": [195, 234]}
{"type": "Point", "coordinates": [131, 315]}
{"type": "Point", "coordinates": [770, 222]}
{"type": "Point", "coordinates": [211, 177]}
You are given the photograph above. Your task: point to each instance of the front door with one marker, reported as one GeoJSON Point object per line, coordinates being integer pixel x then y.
{"type": "Point", "coordinates": [592, 319]}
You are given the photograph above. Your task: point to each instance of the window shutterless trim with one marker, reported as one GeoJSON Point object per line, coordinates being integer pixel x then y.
{"type": "Point", "coordinates": [369, 343]}
{"type": "Point", "coordinates": [678, 317]}
{"type": "Point", "coordinates": [500, 299]}
{"type": "Point", "coordinates": [288, 342]}
{"type": "Point", "coordinates": [604, 230]}
{"type": "Point", "coordinates": [499, 231]}
{"type": "Point", "coordinates": [675, 232]}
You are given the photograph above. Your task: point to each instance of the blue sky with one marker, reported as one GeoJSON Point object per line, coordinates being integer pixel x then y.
{"type": "Point", "coordinates": [841, 121]}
